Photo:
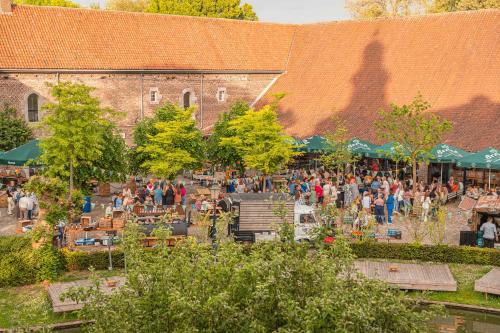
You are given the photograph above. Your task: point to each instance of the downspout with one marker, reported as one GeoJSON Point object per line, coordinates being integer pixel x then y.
{"type": "Point", "coordinates": [142, 96]}
{"type": "Point", "coordinates": [201, 102]}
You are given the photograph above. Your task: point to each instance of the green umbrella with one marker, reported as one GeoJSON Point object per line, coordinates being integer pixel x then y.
{"type": "Point", "coordinates": [488, 158]}
{"type": "Point", "coordinates": [391, 149]}
{"type": "Point", "coordinates": [361, 147]}
{"type": "Point", "coordinates": [316, 144]}
{"type": "Point", "coordinates": [21, 155]}
{"type": "Point", "coordinates": [299, 144]}
{"type": "Point", "coordinates": [447, 154]}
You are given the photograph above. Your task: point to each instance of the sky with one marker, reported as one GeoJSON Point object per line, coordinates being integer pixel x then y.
{"type": "Point", "coordinates": [288, 11]}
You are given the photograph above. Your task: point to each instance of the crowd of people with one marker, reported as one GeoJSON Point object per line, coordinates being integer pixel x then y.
{"type": "Point", "coordinates": [21, 204]}
{"type": "Point", "coordinates": [365, 188]}
{"type": "Point", "coordinates": [151, 194]}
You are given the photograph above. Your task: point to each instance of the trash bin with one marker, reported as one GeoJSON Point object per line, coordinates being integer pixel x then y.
{"type": "Point", "coordinates": [480, 239]}
{"type": "Point", "coordinates": [87, 205]}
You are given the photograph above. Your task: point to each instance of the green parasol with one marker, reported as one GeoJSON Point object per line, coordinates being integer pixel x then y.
{"type": "Point", "coordinates": [364, 148]}
{"type": "Point", "coordinates": [447, 154]}
{"type": "Point", "coordinates": [488, 158]}
{"type": "Point", "coordinates": [21, 155]}
{"type": "Point", "coordinates": [316, 144]}
{"type": "Point", "coordinates": [391, 149]}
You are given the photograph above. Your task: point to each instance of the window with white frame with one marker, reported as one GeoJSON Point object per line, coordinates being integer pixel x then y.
{"type": "Point", "coordinates": [154, 96]}
{"type": "Point", "coordinates": [221, 94]}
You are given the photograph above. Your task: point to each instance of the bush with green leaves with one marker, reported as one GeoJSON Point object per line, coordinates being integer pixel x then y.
{"type": "Point", "coordinates": [14, 131]}
{"type": "Point", "coordinates": [49, 263]}
{"type": "Point", "coordinates": [21, 264]}
{"type": "Point", "coordinates": [17, 261]}
{"type": "Point", "coordinates": [79, 260]}
{"type": "Point", "coordinates": [275, 287]}
{"type": "Point", "coordinates": [433, 253]}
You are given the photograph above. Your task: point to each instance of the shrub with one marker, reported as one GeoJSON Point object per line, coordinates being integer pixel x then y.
{"type": "Point", "coordinates": [17, 261]}
{"type": "Point", "coordinates": [84, 260]}
{"type": "Point", "coordinates": [434, 253]}
{"type": "Point", "coordinates": [50, 263]}
{"type": "Point", "coordinates": [277, 287]}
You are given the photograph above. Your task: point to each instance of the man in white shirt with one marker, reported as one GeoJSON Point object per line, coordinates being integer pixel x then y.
{"type": "Point", "coordinates": [23, 207]}
{"type": "Point", "coordinates": [31, 205]}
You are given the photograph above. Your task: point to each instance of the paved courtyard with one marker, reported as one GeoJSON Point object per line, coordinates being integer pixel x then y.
{"type": "Point", "coordinates": [456, 222]}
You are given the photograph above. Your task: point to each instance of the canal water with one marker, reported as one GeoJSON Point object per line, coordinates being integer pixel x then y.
{"type": "Point", "coordinates": [462, 321]}
{"type": "Point", "coordinates": [457, 321]}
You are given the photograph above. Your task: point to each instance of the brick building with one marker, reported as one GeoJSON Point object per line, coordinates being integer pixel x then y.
{"type": "Point", "coordinates": [137, 61]}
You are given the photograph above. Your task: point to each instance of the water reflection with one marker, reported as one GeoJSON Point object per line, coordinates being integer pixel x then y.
{"type": "Point", "coordinates": [461, 321]}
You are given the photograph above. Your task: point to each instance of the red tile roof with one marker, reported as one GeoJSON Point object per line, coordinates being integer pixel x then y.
{"type": "Point", "coordinates": [354, 68]}
{"type": "Point", "coordinates": [67, 38]}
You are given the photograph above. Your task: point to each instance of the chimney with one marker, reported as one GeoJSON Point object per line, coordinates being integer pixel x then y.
{"type": "Point", "coordinates": [5, 7]}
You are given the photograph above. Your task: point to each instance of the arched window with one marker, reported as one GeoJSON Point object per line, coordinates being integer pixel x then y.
{"type": "Point", "coordinates": [33, 108]}
{"type": "Point", "coordinates": [187, 99]}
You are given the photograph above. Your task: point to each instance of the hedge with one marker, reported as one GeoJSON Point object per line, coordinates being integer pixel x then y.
{"type": "Point", "coordinates": [76, 261]}
{"type": "Point", "coordinates": [21, 265]}
{"type": "Point", "coordinates": [433, 253]}
{"type": "Point", "coordinates": [367, 249]}
{"type": "Point", "coordinates": [17, 261]}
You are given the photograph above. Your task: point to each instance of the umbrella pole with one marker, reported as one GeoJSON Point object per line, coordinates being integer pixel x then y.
{"type": "Point", "coordinates": [441, 177]}
{"type": "Point", "coordinates": [489, 179]}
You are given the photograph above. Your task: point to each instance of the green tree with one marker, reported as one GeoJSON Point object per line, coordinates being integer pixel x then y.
{"type": "Point", "coordinates": [412, 130]}
{"type": "Point", "coordinates": [58, 3]}
{"type": "Point", "coordinates": [230, 9]}
{"type": "Point", "coordinates": [439, 6]}
{"type": "Point", "coordinates": [112, 164]}
{"type": "Point", "coordinates": [260, 140]}
{"type": "Point", "coordinates": [393, 8]}
{"type": "Point", "coordinates": [270, 287]}
{"type": "Point", "coordinates": [338, 154]}
{"type": "Point", "coordinates": [14, 131]}
{"type": "Point", "coordinates": [143, 131]}
{"type": "Point", "coordinates": [74, 125]}
{"type": "Point", "coordinates": [128, 5]}
{"type": "Point", "coordinates": [385, 8]}
{"type": "Point", "coordinates": [225, 155]}
{"type": "Point", "coordinates": [176, 145]}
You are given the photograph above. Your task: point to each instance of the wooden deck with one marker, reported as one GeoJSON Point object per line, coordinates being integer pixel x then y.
{"type": "Point", "coordinates": [489, 283]}
{"type": "Point", "coordinates": [409, 276]}
{"type": "Point", "coordinates": [57, 289]}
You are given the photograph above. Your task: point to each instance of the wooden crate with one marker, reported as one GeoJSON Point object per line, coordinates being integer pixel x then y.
{"type": "Point", "coordinates": [118, 223]}
{"type": "Point", "coordinates": [85, 220]}
{"type": "Point", "coordinates": [105, 223]}
{"type": "Point", "coordinates": [22, 223]}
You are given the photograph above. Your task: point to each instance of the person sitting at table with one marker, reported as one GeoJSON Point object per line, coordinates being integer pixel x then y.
{"type": "Point", "coordinates": [109, 210]}
{"type": "Point", "coordinates": [148, 204]}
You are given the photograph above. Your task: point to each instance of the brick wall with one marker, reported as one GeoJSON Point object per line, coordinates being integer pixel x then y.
{"type": "Point", "coordinates": [123, 92]}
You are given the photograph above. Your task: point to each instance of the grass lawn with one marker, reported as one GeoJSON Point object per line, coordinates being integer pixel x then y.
{"type": "Point", "coordinates": [30, 305]}
{"type": "Point", "coordinates": [465, 276]}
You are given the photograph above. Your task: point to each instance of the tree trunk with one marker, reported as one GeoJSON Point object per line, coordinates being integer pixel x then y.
{"type": "Point", "coordinates": [70, 177]}
{"type": "Point", "coordinates": [264, 184]}
{"type": "Point", "coordinates": [414, 175]}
